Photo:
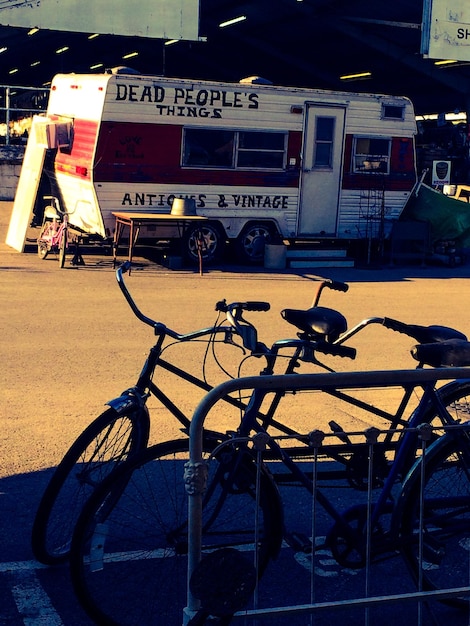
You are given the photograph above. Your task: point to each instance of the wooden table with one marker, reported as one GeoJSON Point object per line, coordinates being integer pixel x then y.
{"type": "Point", "coordinates": [136, 220]}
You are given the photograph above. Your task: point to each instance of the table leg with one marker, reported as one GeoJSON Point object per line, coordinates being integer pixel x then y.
{"type": "Point", "coordinates": [117, 236]}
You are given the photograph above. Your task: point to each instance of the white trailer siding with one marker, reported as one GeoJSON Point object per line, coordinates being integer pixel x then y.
{"type": "Point", "coordinates": [273, 204]}
{"type": "Point", "coordinates": [360, 215]}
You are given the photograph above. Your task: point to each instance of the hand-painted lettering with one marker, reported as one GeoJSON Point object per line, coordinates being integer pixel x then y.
{"type": "Point", "coordinates": [220, 201]}
{"type": "Point", "coordinates": [187, 111]}
{"type": "Point", "coordinates": [259, 201]}
{"type": "Point", "coordinates": [133, 93]}
{"type": "Point", "coordinates": [160, 200]}
{"type": "Point", "coordinates": [187, 101]}
{"type": "Point", "coordinates": [130, 149]}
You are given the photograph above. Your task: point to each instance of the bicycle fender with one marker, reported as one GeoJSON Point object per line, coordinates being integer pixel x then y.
{"type": "Point", "coordinates": [128, 401]}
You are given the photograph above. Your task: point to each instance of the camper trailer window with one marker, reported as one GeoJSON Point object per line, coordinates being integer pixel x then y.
{"type": "Point", "coordinates": [324, 136]}
{"type": "Point", "coordinates": [261, 149]}
{"type": "Point", "coordinates": [371, 155]}
{"type": "Point", "coordinates": [211, 148]}
{"type": "Point", "coordinates": [393, 112]}
{"type": "Point", "coordinates": [204, 147]}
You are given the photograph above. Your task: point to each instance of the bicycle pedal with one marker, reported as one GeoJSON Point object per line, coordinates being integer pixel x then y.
{"type": "Point", "coordinates": [299, 542]}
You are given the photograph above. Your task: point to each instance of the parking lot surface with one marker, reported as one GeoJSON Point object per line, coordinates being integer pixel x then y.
{"type": "Point", "coordinates": [70, 343]}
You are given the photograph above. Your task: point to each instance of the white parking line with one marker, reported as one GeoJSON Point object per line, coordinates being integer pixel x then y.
{"type": "Point", "coordinates": [33, 603]}
{"type": "Point", "coordinates": [20, 566]}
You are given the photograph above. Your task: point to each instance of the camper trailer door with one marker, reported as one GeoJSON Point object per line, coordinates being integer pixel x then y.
{"type": "Point", "coordinates": [321, 169]}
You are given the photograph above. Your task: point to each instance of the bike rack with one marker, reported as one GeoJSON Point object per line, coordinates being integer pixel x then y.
{"type": "Point", "coordinates": [195, 471]}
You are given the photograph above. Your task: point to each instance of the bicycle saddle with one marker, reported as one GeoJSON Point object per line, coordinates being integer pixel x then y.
{"type": "Point", "coordinates": [317, 322]}
{"type": "Point", "coordinates": [449, 353]}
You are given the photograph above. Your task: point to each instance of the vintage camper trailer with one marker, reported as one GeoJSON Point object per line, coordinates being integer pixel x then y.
{"type": "Point", "coordinates": [259, 160]}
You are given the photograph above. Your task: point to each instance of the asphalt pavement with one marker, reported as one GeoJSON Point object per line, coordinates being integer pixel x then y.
{"type": "Point", "coordinates": [70, 343]}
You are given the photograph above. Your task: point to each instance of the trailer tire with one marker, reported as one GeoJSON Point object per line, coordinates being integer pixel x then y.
{"type": "Point", "coordinates": [251, 241]}
{"type": "Point", "coordinates": [213, 242]}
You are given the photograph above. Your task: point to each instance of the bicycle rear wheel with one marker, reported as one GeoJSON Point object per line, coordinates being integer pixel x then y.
{"type": "Point", "coordinates": [455, 396]}
{"type": "Point", "coordinates": [63, 247]}
{"type": "Point", "coordinates": [108, 441]}
{"type": "Point", "coordinates": [436, 532]}
{"type": "Point", "coordinates": [129, 553]}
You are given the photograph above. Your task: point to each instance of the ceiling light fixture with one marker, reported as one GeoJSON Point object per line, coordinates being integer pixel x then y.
{"type": "Point", "coordinates": [4, 49]}
{"type": "Point", "coordinates": [94, 36]}
{"type": "Point", "coordinates": [130, 55]}
{"type": "Point", "coordinates": [446, 62]}
{"type": "Point", "coordinates": [359, 76]}
{"type": "Point", "coordinates": [235, 20]}
{"type": "Point", "coordinates": [170, 42]}
{"type": "Point", "coordinates": [14, 70]}
{"type": "Point", "coordinates": [34, 63]}
{"type": "Point", "coordinates": [33, 31]}
{"type": "Point", "coordinates": [96, 66]}
{"type": "Point", "coordinates": [61, 50]}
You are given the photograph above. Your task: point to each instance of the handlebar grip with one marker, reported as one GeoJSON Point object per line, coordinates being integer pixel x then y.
{"type": "Point", "coordinates": [244, 306]}
{"type": "Point", "coordinates": [424, 334]}
{"type": "Point", "coordinates": [336, 350]}
{"type": "Point", "coordinates": [399, 327]}
{"type": "Point", "coordinates": [337, 285]}
{"type": "Point", "coordinates": [256, 306]}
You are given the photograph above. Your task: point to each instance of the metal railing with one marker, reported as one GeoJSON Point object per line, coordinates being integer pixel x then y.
{"type": "Point", "coordinates": [18, 104]}
{"type": "Point", "coordinates": [365, 596]}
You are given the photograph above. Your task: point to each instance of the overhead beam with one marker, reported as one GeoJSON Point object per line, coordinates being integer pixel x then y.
{"type": "Point", "coordinates": [399, 55]}
{"type": "Point", "coordinates": [412, 25]}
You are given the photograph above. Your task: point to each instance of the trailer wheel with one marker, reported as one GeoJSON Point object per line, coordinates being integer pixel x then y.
{"type": "Point", "coordinates": [251, 241]}
{"type": "Point", "coordinates": [206, 237]}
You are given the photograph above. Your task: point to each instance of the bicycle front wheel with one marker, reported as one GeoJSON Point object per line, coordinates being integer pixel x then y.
{"type": "Point", "coordinates": [108, 441]}
{"type": "Point", "coordinates": [436, 518]}
{"type": "Point", "coordinates": [129, 557]}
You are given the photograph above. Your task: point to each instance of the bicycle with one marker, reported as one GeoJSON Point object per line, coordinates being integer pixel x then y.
{"type": "Point", "coordinates": [128, 538]}
{"type": "Point", "coordinates": [123, 429]}
{"type": "Point", "coordinates": [54, 233]}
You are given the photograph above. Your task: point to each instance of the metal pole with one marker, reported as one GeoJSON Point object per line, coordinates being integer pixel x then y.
{"type": "Point", "coordinates": [7, 115]}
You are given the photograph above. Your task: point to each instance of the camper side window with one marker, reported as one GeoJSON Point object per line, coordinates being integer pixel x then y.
{"type": "Point", "coordinates": [264, 150]}
{"type": "Point", "coordinates": [204, 147]}
{"type": "Point", "coordinates": [371, 155]}
{"type": "Point", "coordinates": [324, 142]}
{"type": "Point", "coordinates": [211, 148]}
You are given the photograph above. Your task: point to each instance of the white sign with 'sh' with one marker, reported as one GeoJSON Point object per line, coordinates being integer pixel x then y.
{"type": "Point", "coordinates": [446, 29]}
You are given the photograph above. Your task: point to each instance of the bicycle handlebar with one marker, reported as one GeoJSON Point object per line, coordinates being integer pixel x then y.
{"type": "Point", "coordinates": [423, 334]}
{"type": "Point", "coordinates": [336, 350]}
{"type": "Point", "coordinates": [233, 312]}
{"type": "Point", "coordinates": [252, 305]}
{"type": "Point", "coordinates": [335, 285]}
{"type": "Point", "coordinates": [122, 269]}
